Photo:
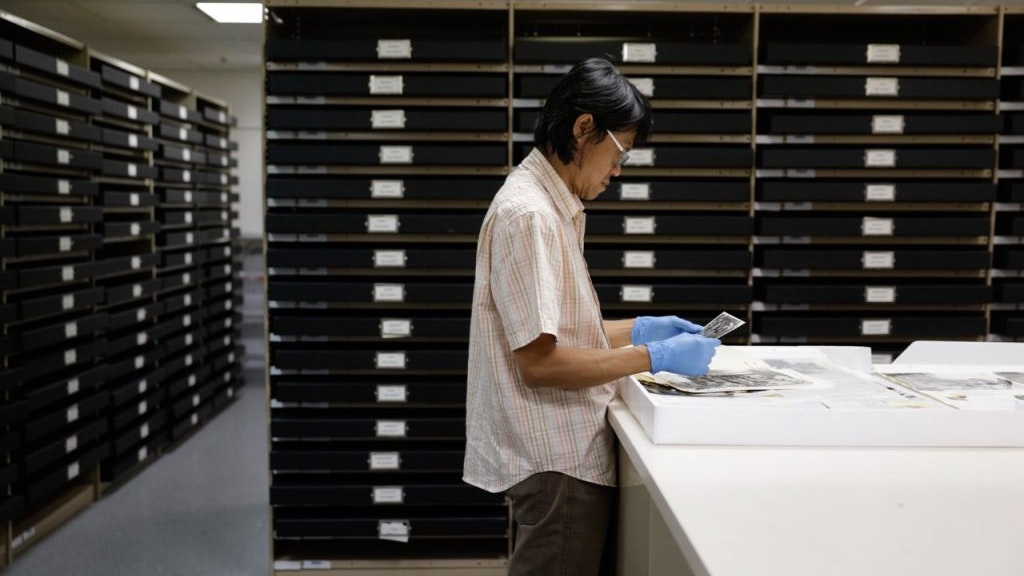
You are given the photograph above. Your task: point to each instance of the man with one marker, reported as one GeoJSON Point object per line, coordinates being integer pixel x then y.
{"type": "Point", "coordinates": [543, 365]}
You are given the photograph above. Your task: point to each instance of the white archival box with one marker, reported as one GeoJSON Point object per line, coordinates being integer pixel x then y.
{"type": "Point", "coordinates": [802, 417]}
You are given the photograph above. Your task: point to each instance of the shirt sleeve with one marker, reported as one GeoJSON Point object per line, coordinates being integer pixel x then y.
{"type": "Point", "coordinates": [526, 277]}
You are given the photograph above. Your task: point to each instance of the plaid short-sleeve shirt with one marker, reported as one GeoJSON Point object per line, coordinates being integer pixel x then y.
{"type": "Point", "coordinates": [531, 279]}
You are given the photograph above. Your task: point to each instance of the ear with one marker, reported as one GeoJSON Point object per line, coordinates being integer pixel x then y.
{"type": "Point", "coordinates": [584, 124]}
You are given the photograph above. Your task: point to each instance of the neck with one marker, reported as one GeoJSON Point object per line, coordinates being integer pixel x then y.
{"type": "Point", "coordinates": [567, 172]}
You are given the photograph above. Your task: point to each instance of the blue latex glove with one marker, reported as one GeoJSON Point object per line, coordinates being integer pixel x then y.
{"type": "Point", "coordinates": [650, 328]}
{"type": "Point", "coordinates": [687, 354]}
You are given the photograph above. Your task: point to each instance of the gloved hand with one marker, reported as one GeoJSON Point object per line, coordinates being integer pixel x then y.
{"type": "Point", "coordinates": [687, 354]}
{"type": "Point", "coordinates": [650, 328]}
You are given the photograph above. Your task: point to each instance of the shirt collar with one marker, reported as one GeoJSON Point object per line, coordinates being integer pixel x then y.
{"type": "Point", "coordinates": [567, 203]}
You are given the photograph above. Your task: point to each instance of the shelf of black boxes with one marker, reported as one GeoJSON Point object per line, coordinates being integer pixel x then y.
{"type": "Point", "coordinates": [126, 194]}
{"type": "Point", "coordinates": [671, 235]}
{"type": "Point", "coordinates": [875, 177]}
{"type": "Point", "coordinates": [221, 288]}
{"type": "Point", "coordinates": [1007, 308]}
{"type": "Point", "coordinates": [383, 151]}
{"type": "Point", "coordinates": [53, 408]}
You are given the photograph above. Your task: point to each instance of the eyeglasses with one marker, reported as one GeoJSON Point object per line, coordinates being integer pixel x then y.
{"type": "Point", "coordinates": [623, 155]}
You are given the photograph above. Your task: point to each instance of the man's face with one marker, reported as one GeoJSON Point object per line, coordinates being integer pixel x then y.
{"type": "Point", "coordinates": [602, 162]}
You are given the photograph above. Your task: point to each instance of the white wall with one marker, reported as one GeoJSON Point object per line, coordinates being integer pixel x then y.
{"type": "Point", "coordinates": [242, 90]}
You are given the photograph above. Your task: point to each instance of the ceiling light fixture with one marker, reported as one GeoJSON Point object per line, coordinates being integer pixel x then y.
{"type": "Point", "coordinates": [233, 12]}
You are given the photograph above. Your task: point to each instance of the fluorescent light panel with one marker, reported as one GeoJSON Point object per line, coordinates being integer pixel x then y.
{"type": "Point", "coordinates": [233, 12]}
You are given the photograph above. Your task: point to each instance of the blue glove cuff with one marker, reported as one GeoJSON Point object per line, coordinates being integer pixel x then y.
{"type": "Point", "coordinates": [639, 333]}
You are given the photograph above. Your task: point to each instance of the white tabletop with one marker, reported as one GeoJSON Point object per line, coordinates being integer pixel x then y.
{"type": "Point", "coordinates": [748, 510]}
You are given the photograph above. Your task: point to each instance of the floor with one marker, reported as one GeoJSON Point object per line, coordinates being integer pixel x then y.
{"type": "Point", "coordinates": [198, 510]}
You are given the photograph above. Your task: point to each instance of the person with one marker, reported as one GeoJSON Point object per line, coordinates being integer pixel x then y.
{"type": "Point", "coordinates": [543, 364]}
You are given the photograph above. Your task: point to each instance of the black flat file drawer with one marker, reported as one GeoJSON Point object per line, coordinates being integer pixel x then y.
{"type": "Point", "coordinates": [682, 156]}
{"type": "Point", "coordinates": [420, 50]}
{"type": "Point", "coordinates": [48, 275]}
{"type": "Point", "coordinates": [1009, 290]}
{"type": "Point", "coordinates": [53, 245]}
{"type": "Point", "coordinates": [1008, 323]}
{"type": "Point", "coordinates": [128, 169]}
{"type": "Point", "coordinates": [15, 183]}
{"type": "Point", "coordinates": [670, 122]}
{"type": "Point", "coordinates": [59, 303]}
{"type": "Point", "coordinates": [49, 215]}
{"type": "Point", "coordinates": [50, 125]}
{"type": "Point", "coordinates": [49, 95]}
{"type": "Point", "coordinates": [1010, 224]}
{"type": "Point", "coordinates": [54, 420]}
{"type": "Point", "coordinates": [1011, 157]}
{"type": "Point", "coordinates": [1011, 190]}
{"type": "Point", "coordinates": [686, 88]}
{"type": "Point", "coordinates": [387, 360]}
{"type": "Point", "coordinates": [326, 223]}
{"type": "Point", "coordinates": [181, 133]}
{"type": "Point", "coordinates": [54, 156]}
{"type": "Point", "coordinates": [879, 192]}
{"type": "Point", "coordinates": [646, 293]}
{"type": "Point", "coordinates": [317, 84]}
{"type": "Point", "coordinates": [857, 55]}
{"type": "Point", "coordinates": [129, 199]}
{"type": "Point", "coordinates": [298, 425]}
{"type": "Point", "coordinates": [820, 157]}
{"type": "Point", "coordinates": [679, 190]}
{"type": "Point", "coordinates": [1013, 122]}
{"type": "Point", "coordinates": [36, 338]}
{"type": "Point", "coordinates": [181, 154]}
{"type": "Point", "coordinates": [129, 140]}
{"type": "Point", "coordinates": [900, 226]}
{"type": "Point", "coordinates": [366, 292]}
{"type": "Point", "coordinates": [56, 67]}
{"type": "Point", "coordinates": [132, 82]}
{"type": "Point", "coordinates": [40, 397]}
{"type": "Point", "coordinates": [88, 434]}
{"type": "Point", "coordinates": [127, 293]}
{"type": "Point", "coordinates": [284, 457]}
{"type": "Point", "coordinates": [417, 392]}
{"type": "Point", "coordinates": [696, 225]}
{"type": "Point", "coordinates": [124, 111]}
{"type": "Point", "coordinates": [136, 316]}
{"type": "Point", "coordinates": [283, 324]}
{"type": "Point", "coordinates": [419, 154]}
{"type": "Point", "coordinates": [343, 494]}
{"type": "Point", "coordinates": [1009, 257]}
{"type": "Point", "coordinates": [914, 88]}
{"type": "Point", "coordinates": [885, 259]}
{"type": "Point", "coordinates": [777, 122]}
{"type": "Point", "coordinates": [342, 526]}
{"type": "Point", "coordinates": [947, 325]}
{"type": "Point", "coordinates": [667, 259]}
{"type": "Point", "coordinates": [390, 119]}
{"type": "Point", "coordinates": [573, 49]}
{"type": "Point", "coordinates": [130, 229]}
{"type": "Point", "coordinates": [409, 188]}
{"type": "Point", "coordinates": [382, 258]}
{"type": "Point", "coordinates": [882, 292]}
{"type": "Point", "coordinates": [179, 112]}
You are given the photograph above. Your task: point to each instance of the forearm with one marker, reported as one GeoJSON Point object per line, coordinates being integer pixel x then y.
{"type": "Point", "coordinates": [575, 368]}
{"type": "Point", "coordinates": [619, 332]}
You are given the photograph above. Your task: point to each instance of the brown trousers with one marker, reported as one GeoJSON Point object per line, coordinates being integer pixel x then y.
{"type": "Point", "coordinates": [561, 526]}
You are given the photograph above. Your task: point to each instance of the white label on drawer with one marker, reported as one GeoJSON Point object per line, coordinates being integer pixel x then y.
{"type": "Point", "coordinates": [195, 400]}
{"type": "Point", "coordinates": [382, 223]}
{"type": "Point", "coordinates": [188, 217]}
{"type": "Point", "coordinates": [395, 154]}
{"type": "Point", "coordinates": [182, 113]}
{"type": "Point", "coordinates": [186, 155]}
{"type": "Point", "coordinates": [133, 170]}
{"type": "Point", "coordinates": [188, 258]}
{"type": "Point", "coordinates": [140, 314]}
{"type": "Point", "coordinates": [386, 84]}
{"type": "Point", "coordinates": [71, 330]}
{"type": "Point", "coordinates": [228, 305]}
{"type": "Point", "coordinates": [192, 381]}
{"type": "Point", "coordinates": [644, 85]}
{"type": "Point", "coordinates": [143, 408]}
{"type": "Point", "coordinates": [63, 187]}
{"type": "Point", "coordinates": [638, 259]}
{"type": "Point", "coordinates": [135, 229]}
{"type": "Point", "coordinates": [133, 199]}
{"type": "Point", "coordinates": [140, 361]}
{"type": "Point", "coordinates": [67, 302]}
{"type": "Point", "coordinates": [143, 386]}
{"type": "Point", "coordinates": [394, 49]}
{"type": "Point", "coordinates": [187, 299]}
{"type": "Point", "coordinates": [62, 67]}
{"type": "Point", "coordinates": [73, 386]}
{"type": "Point", "coordinates": [871, 226]}
{"type": "Point", "coordinates": [189, 360]}
{"type": "Point", "coordinates": [63, 156]}
{"type": "Point", "coordinates": [223, 182]}
{"type": "Point", "coordinates": [631, 191]}
{"type": "Point", "coordinates": [875, 158]}
{"type": "Point", "coordinates": [186, 175]}
{"type": "Point", "coordinates": [66, 215]}
{"type": "Point", "coordinates": [182, 133]}
{"type": "Point", "coordinates": [384, 461]}
{"type": "Point", "coordinates": [133, 141]}
{"type": "Point", "coordinates": [186, 320]}
{"type": "Point", "coordinates": [188, 197]}
{"type": "Point", "coordinates": [70, 357]}
{"type": "Point", "coordinates": [194, 420]}
{"type": "Point", "coordinates": [227, 340]}
{"type": "Point", "coordinates": [391, 428]}
{"type": "Point", "coordinates": [875, 86]}
{"type": "Point", "coordinates": [223, 215]}
{"type": "Point", "coordinates": [881, 294]}
{"type": "Point", "coordinates": [391, 393]}
{"type": "Point", "coordinates": [143, 453]}
{"type": "Point", "coordinates": [61, 127]}
{"type": "Point", "coordinates": [67, 273]}
{"type": "Point", "coordinates": [883, 53]}
{"type": "Point", "coordinates": [144, 431]}
{"type": "Point", "coordinates": [189, 339]}
{"type": "Point", "coordinates": [71, 444]}
{"type": "Point", "coordinates": [224, 161]}
{"type": "Point", "coordinates": [133, 83]}
{"type": "Point", "coordinates": [227, 268]}
{"type": "Point", "coordinates": [889, 124]}
{"type": "Point", "coordinates": [141, 339]}
{"type": "Point", "coordinates": [875, 327]}
{"type": "Point", "coordinates": [639, 225]}
{"type": "Point", "coordinates": [388, 495]}
{"type": "Point", "coordinates": [389, 292]}
{"type": "Point", "coordinates": [637, 294]}
{"type": "Point", "coordinates": [136, 290]}
{"type": "Point", "coordinates": [71, 415]}
{"type": "Point", "coordinates": [641, 157]}
{"type": "Point", "coordinates": [387, 119]}
{"type": "Point", "coordinates": [136, 262]}
{"type": "Point", "coordinates": [387, 188]}
{"type": "Point", "coordinates": [639, 52]}
{"type": "Point", "coordinates": [391, 360]}
{"type": "Point", "coordinates": [190, 238]}
{"type": "Point", "coordinates": [395, 328]}
{"type": "Point", "coordinates": [64, 243]}
{"type": "Point", "coordinates": [63, 98]}
{"type": "Point", "coordinates": [223, 143]}
{"type": "Point", "coordinates": [73, 470]}
{"type": "Point", "coordinates": [389, 258]}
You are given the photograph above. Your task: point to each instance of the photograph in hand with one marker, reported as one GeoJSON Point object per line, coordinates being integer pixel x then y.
{"type": "Point", "coordinates": [721, 325]}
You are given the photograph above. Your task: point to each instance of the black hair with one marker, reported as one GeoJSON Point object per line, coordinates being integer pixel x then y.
{"type": "Point", "coordinates": [594, 86]}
